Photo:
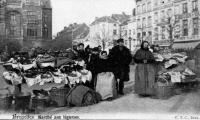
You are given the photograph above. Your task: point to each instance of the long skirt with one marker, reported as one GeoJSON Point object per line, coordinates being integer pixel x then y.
{"type": "Point", "coordinates": [144, 79]}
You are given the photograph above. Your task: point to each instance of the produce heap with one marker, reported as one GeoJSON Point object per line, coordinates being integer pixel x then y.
{"type": "Point", "coordinates": [173, 68]}
{"type": "Point", "coordinates": [46, 69]}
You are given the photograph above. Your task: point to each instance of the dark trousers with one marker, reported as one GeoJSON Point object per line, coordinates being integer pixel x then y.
{"type": "Point", "coordinates": [93, 81]}
{"type": "Point", "coordinates": [120, 86]}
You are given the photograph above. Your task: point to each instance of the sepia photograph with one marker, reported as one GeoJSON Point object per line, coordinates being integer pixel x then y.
{"type": "Point", "coordinates": [100, 59]}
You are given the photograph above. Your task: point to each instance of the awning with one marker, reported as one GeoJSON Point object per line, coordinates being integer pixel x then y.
{"type": "Point", "coordinates": [185, 45]}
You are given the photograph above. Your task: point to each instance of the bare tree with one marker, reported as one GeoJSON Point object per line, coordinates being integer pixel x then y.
{"type": "Point", "coordinates": [169, 23]}
{"type": "Point", "coordinates": [102, 37]}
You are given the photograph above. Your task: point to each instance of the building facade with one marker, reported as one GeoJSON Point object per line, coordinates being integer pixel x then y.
{"type": "Point", "coordinates": [111, 28]}
{"type": "Point", "coordinates": [158, 19]}
{"type": "Point", "coordinates": [27, 21]}
{"type": "Point", "coordinates": [104, 31]}
{"type": "Point", "coordinates": [129, 34]}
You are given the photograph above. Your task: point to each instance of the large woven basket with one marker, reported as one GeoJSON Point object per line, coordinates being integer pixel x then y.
{"type": "Point", "coordinates": [38, 104]}
{"type": "Point", "coordinates": [164, 91]}
{"type": "Point", "coordinates": [6, 101]}
{"type": "Point", "coordinates": [22, 101]}
{"type": "Point", "coordinates": [58, 95]}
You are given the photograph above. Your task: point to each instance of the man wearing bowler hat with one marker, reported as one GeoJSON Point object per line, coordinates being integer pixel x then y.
{"type": "Point", "coordinates": [120, 58]}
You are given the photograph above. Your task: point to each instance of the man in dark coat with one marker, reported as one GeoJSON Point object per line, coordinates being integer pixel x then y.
{"type": "Point", "coordinates": [120, 58]}
{"type": "Point", "coordinates": [92, 65]}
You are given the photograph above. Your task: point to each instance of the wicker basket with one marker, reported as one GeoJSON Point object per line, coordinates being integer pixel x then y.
{"type": "Point", "coordinates": [22, 101]}
{"type": "Point", "coordinates": [164, 91]}
{"type": "Point", "coordinates": [38, 104]}
{"type": "Point", "coordinates": [6, 101]}
{"type": "Point", "coordinates": [58, 95]}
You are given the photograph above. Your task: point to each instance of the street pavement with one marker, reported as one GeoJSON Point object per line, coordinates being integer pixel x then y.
{"type": "Point", "coordinates": [186, 103]}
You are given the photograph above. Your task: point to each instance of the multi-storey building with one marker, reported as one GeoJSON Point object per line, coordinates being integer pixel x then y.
{"type": "Point", "coordinates": [128, 32]}
{"type": "Point", "coordinates": [187, 32]}
{"type": "Point", "coordinates": [111, 28]}
{"type": "Point", "coordinates": [106, 30]}
{"type": "Point", "coordinates": [144, 19]}
{"type": "Point", "coordinates": [26, 21]}
{"type": "Point", "coordinates": [157, 19]}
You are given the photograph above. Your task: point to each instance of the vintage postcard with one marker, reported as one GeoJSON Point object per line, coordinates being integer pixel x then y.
{"type": "Point", "coordinates": [100, 59]}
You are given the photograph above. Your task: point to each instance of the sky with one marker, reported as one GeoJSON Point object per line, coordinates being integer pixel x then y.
{"type": "Point", "coordinates": [85, 11]}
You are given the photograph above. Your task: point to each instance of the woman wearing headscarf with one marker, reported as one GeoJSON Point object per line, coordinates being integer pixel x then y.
{"type": "Point", "coordinates": [145, 72]}
{"type": "Point", "coordinates": [103, 64]}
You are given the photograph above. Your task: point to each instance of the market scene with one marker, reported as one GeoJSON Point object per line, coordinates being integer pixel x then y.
{"type": "Point", "coordinates": [145, 62]}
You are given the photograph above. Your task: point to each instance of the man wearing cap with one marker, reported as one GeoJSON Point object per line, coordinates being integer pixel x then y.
{"type": "Point", "coordinates": [120, 57]}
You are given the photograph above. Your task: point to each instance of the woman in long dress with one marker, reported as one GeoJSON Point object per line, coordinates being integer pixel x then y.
{"type": "Point", "coordinates": [145, 72]}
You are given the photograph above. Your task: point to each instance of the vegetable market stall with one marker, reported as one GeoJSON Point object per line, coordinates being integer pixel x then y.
{"type": "Point", "coordinates": [42, 80]}
{"type": "Point", "coordinates": [173, 75]}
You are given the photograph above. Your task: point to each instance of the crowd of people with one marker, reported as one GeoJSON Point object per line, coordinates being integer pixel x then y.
{"type": "Point", "coordinates": [98, 61]}
{"type": "Point", "coordinates": [116, 61]}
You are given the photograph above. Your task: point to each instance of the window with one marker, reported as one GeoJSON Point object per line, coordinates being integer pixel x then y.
{"type": "Point", "coordinates": [149, 33]}
{"type": "Point", "coordinates": [115, 24]}
{"type": "Point", "coordinates": [156, 33]}
{"type": "Point", "coordinates": [143, 8]}
{"type": "Point", "coordinates": [144, 22]}
{"type": "Point", "coordinates": [185, 8]}
{"type": "Point", "coordinates": [195, 26]}
{"type": "Point", "coordinates": [163, 16]}
{"type": "Point", "coordinates": [138, 23]}
{"type": "Point", "coordinates": [169, 12]}
{"type": "Point", "coordinates": [12, 18]}
{"type": "Point", "coordinates": [177, 10]}
{"type": "Point", "coordinates": [129, 32]}
{"type": "Point", "coordinates": [149, 21]}
{"type": "Point", "coordinates": [185, 27]}
{"type": "Point", "coordinates": [156, 17]}
{"type": "Point", "coordinates": [143, 34]}
{"type": "Point", "coordinates": [32, 32]}
{"type": "Point", "coordinates": [149, 6]}
{"type": "Point", "coordinates": [194, 5]}
{"type": "Point", "coordinates": [138, 35]}
{"type": "Point", "coordinates": [138, 9]}
{"type": "Point", "coordinates": [45, 32]}
{"type": "Point", "coordinates": [163, 32]}
{"type": "Point", "coordinates": [12, 30]}
{"type": "Point", "coordinates": [125, 32]}
{"type": "Point", "coordinates": [1, 16]}
{"type": "Point", "coordinates": [114, 32]}
{"type": "Point", "coordinates": [45, 18]}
